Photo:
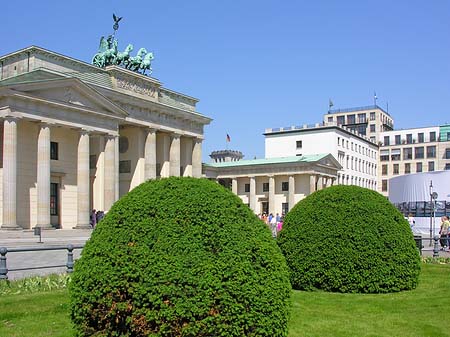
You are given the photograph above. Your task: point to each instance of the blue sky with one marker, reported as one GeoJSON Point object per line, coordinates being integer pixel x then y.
{"type": "Point", "coordinates": [261, 64]}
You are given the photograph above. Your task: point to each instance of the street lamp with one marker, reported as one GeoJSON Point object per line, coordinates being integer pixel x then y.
{"type": "Point", "coordinates": [431, 211]}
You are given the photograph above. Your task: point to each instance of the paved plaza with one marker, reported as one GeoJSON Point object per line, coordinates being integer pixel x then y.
{"type": "Point", "coordinates": [63, 237]}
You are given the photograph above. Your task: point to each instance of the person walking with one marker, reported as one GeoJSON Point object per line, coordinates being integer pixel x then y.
{"type": "Point", "coordinates": [444, 232]}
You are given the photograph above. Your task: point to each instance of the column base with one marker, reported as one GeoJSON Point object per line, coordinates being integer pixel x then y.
{"type": "Point", "coordinates": [10, 228]}
{"type": "Point", "coordinates": [80, 226]}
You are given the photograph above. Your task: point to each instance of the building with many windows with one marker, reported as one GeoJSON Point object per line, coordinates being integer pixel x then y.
{"type": "Point", "coordinates": [75, 137]}
{"type": "Point", "coordinates": [410, 151]}
{"type": "Point", "coordinates": [356, 153]}
{"type": "Point", "coordinates": [368, 121]}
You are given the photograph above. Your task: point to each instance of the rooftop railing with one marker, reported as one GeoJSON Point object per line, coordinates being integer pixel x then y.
{"type": "Point", "coordinates": [358, 108]}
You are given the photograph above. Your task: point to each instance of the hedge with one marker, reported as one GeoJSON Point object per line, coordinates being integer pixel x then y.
{"type": "Point", "coordinates": [349, 239]}
{"type": "Point", "coordinates": [180, 257]}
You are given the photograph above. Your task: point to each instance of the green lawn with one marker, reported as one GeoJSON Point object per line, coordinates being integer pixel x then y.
{"type": "Point", "coordinates": [422, 312]}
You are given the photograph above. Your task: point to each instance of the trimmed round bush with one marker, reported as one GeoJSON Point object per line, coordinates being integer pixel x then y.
{"type": "Point", "coordinates": [180, 257]}
{"type": "Point", "coordinates": [349, 239]}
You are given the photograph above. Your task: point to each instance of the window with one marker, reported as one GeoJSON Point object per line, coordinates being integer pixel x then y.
{"type": "Point", "coordinates": [395, 154]}
{"type": "Point", "coordinates": [448, 135]}
{"type": "Point", "coordinates": [284, 208]}
{"type": "Point", "coordinates": [92, 161]}
{"type": "Point", "coordinates": [433, 136]}
{"type": "Point", "coordinates": [351, 119]}
{"type": "Point", "coordinates": [299, 144]}
{"type": "Point", "coordinates": [447, 166]}
{"type": "Point", "coordinates": [418, 167]}
{"type": "Point", "coordinates": [54, 199]}
{"type": "Point", "coordinates": [361, 129]}
{"type": "Point", "coordinates": [384, 155]}
{"type": "Point", "coordinates": [123, 144]}
{"type": "Point", "coordinates": [418, 152]}
{"type": "Point", "coordinates": [384, 169]}
{"type": "Point", "coordinates": [340, 120]}
{"type": "Point", "coordinates": [361, 118]}
{"type": "Point", "coordinates": [125, 166]}
{"type": "Point", "coordinates": [397, 140]}
{"type": "Point", "coordinates": [372, 127]}
{"type": "Point", "coordinates": [247, 188]}
{"type": "Point", "coordinates": [372, 116]}
{"type": "Point", "coordinates": [447, 153]}
{"type": "Point", "coordinates": [407, 168]}
{"type": "Point", "coordinates": [384, 185]}
{"type": "Point", "coordinates": [372, 139]}
{"type": "Point", "coordinates": [395, 171]}
{"type": "Point", "coordinates": [265, 187]}
{"type": "Point", "coordinates": [386, 140]}
{"type": "Point", "coordinates": [430, 166]}
{"type": "Point", "coordinates": [431, 151]}
{"type": "Point", "coordinates": [53, 150]}
{"type": "Point", "coordinates": [409, 138]}
{"type": "Point", "coordinates": [420, 137]}
{"type": "Point", "coordinates": [407, 153]}
{"type": "Point", "coordinates": [285, 186]}
{"type": "Point", "coordinates": [330, 119]}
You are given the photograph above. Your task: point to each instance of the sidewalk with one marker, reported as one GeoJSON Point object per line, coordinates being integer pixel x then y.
{"type": "Point", "coordinates": [49, 237]}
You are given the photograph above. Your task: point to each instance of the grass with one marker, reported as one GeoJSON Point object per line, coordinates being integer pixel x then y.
{"type": "Point", "coordinates": [422, 312]}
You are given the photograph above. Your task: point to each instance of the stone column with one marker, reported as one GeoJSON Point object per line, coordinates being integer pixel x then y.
{"type": "Point", "coordinates": [83, 181]}
{"type": "Point", "coordinates": [109, 172]}
{"type": "Point", "coordinates": [272, 194]}
{"type": "Point", "coordinates": [319, 183]}
{"type": "Point", "coordinates": [165, 165]}
{"type": "Point", "coordinates": [291, 192]}
{"type": "Point", "coordinates": [253, 194]}
{"type": "Point", "coordinates": [174, 155]}
{"type": "Point", "coordinates": [116, 169]}
{"type": "Point", "coordinates": [150, 154]}
{"type": "Point", "coordinates": [312, 184]}
{"type": "Point", "coordinates": [187, 158]}
{"type": "Point", "coordinates": [197, 158]}
{"type": "Point", "coordinates": [43, 177]}
{"type": "Point", "coordinates": [234, 186]}
{"type": "Point", "coordinates": [10, 174]}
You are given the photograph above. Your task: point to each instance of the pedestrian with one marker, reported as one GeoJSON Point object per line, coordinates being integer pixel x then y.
{"type": "Point", "coordinates": [445, 224]}
{"type": "Point", "coordinates": [273, 226]}
{"type": "Point", "coordinates": [443, 231]}
{"type": "Point", "coordinates": [93, 218]}
{"type": "Point", "coordinates": [411, 220]}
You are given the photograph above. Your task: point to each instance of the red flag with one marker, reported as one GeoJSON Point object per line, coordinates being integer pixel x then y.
{"type": "Point", "coordinates": [228, 138]}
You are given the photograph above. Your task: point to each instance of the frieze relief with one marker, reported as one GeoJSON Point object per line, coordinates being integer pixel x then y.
{"type": "Point", "coordinates": [137, 86]}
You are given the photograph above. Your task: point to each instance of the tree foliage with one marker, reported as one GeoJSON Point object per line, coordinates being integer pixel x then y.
{"type": "Point", "coordinates": [180, 257]}
{"type": "Point", "coordinates": [349, 239]}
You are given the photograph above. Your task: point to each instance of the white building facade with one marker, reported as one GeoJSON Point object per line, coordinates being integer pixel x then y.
{"type": "Point", "coordinates": [75, 137]}
{"type": "Point", "coordinates": [357, 154]}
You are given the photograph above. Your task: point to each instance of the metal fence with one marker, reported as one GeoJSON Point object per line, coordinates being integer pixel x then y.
{"type": "Point", "coordinates": [4, 251]}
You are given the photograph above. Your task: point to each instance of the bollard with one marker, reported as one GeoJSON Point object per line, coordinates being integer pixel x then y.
{"type": "Point", "coordinates": [436, 246]}
{"type": "Point", "coordinates": [69, 258]}
{"type": "Point", "coordinates": [3, 269]}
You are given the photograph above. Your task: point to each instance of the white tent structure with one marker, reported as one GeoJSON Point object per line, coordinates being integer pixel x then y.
{"type": "Point", "coordinates": [411, 193]}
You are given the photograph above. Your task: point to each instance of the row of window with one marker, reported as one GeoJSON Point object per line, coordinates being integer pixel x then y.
{"type": "Point", "coordinates": [265, 187]}
{"type": "Point", "coordinates": [356, 147]}
{"type": "Point", "coordinates": [407, 168]}
{"type": "Point", "coordinates": [358, 165]}
{"type": "Point", "coordinates": [410, 140]}
{"type": "Point", "coordinates": [419, 153]}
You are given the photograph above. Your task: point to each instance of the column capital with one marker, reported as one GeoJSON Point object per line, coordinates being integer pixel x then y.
{"type": "Point", "coordinates": [175, 135]}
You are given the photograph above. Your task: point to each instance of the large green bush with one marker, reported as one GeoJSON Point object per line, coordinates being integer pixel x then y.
{"type": "Point", "coordinates": [180, 257]}
{"type": "Point", "coordinates": [349, 239]}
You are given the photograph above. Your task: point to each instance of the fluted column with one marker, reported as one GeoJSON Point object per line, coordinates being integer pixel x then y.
{"type": "Point", "coordinates": [9, 220]}
{"type": "Point", "coordinates": [83, 181]}
{"type": "Point", "coordinates": [165, 165]}
{"type": "Point", "coordinates": [252, 193]}
{"type": "Point", "coordinates": [272, 194]}
{"type": "Point", "coordinates": [150, 155]}
{"type": "Point", "coordinates": [187, 157]}
{"type": "Point", "coordinates": [234, 186]}
{"type": "Point", "coordinates": [197, 158]}
{"type": "Point", "coordinates": [109, 172]}
{"type": "Point", "coordinates": [291, 192]}
{"type": "Point", "coordinates": [174, 155]}
{"type": "Point", "coordinates": [312, 184]}
{"type": "Point", "coordinates": [43, 177]}
{"type": "Point", "coordinates": [116, 169]}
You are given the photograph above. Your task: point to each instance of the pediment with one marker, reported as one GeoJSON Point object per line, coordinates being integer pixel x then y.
{"type": "Point", "coordinates": [330, 161]}
{"type": "Point", "coordinates": [69, 91]}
